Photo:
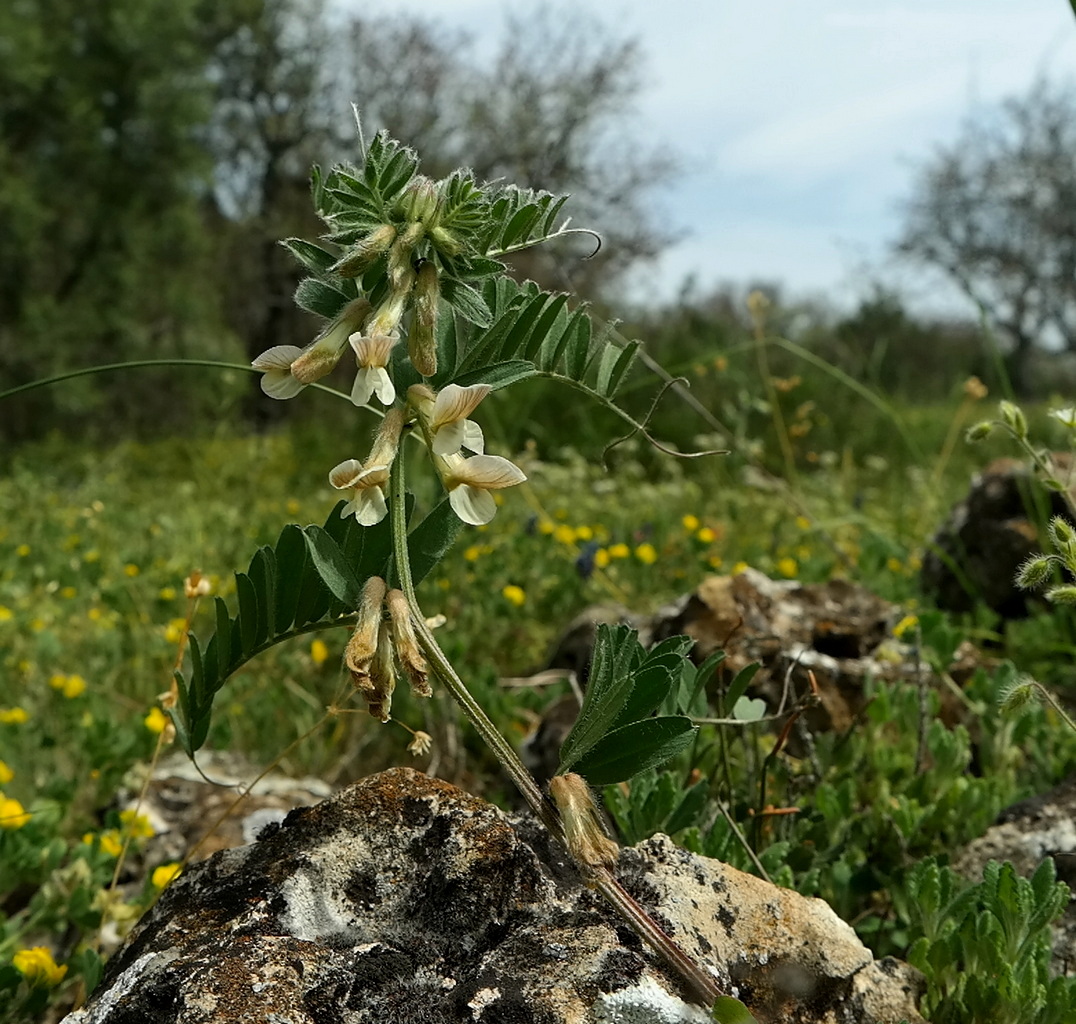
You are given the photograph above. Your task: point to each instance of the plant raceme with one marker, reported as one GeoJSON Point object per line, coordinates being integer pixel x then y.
{"type": "Point", "coordinates": [417, 291]}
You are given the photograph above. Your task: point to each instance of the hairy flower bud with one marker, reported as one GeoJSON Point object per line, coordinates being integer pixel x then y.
{"type": "Point", "coordinates": [979, 432]}
{"type": "Point", "coordinates": [365, 252]}
{"type": "Point", "coordinates": [401, 258]}
{"type": "Point", "coordinates": [407, 650]}
{"type": "Point", "coordinates": [382, 679]}
{"type": "Point", "coordinates": [1064, 594]}
{"type": "Point", "coordinates": [362, 646]}
{"type": "Point", "coordinates": [1013, 417]}
{"type": "Point", "coordinates": [422, 341]}
{"type": "Point", "coordinates": [420, 201]}
{"type": "Point", "coordinates": [587, 842]}
{"type": "Point", "coordinates": [319, 358]}
{"type": "Point", "coordinates": [445, 241]}
{"type": "Point", "coordinates": [1034, 572]}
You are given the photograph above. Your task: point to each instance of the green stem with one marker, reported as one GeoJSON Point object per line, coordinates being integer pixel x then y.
{"type": "Point", "coordinates": [701, 984]}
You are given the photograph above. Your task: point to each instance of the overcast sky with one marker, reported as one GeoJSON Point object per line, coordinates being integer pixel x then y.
{"type": "Point", "coordinates": [799, 122]}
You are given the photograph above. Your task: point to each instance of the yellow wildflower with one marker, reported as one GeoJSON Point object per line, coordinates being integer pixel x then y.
{"type": "Point", "coordinates": [564, 533]}
{"type": "Point", "coordinates": [803, 523]}
{"type": "Point", "coordinates": [715, 561]}
{"type": "Point", "coordinates": [68, 592]}
{"type": "Point", "coordinates": [57, 680]}
{"type": "Point", "coordinates": [74, 686]}
{"type": "Point", "coordinates": [691, 523]}
{"type": "Point", "coordinates": [788, 567]}
{"type": "Point", "coordinates": [514, 595]}
{"type": "Point", "coordinates": [473, 553]}
{"type": "Point", "coordinates": [175, 630]}
{"type": "Point", "coordinates": [6, 613]}
{"type": "Point", "coordinates": [13, 716]}
{"type": "Point", "coordinates": [165, 874]}
{"type": "Point", "coordinates": [601, 558]}
{"type": "Point", "coordinates": [584, 533]}
{"type": "Point", "coordinates": [906, 625]}
{"type": "Point", "coordinates": [22, 550]}
{"type": "Point", "coordinates": [319, 653]}
{"type": "Point", "coordinates": [546, 527]}
{"type": "Point", "coordinates": [38, 968]}
{"type": "Point", "coordinates": [138, 825]}
{"type": "Point", "coordinates": [740, 567]}
{"type": "Point", "coordinates": [6, 774]}
{"type": "Point", "coordinates": [706, 535]}
{"type": "Point", "coordinates": [95, 614]}
{"type": "Point", "coordinates": [167, 593]}
{"type": "Point", "coordinates": [12, 814]}
{"type": "Point", "coordinates": [619, 551]}
{"type": "Point", "coordinates": [156, 721]}
{"type": "Point", "coordinates": [130, 569]}
{"type": "Point", "coordinates": [646, 553]}
{"type": "Point", "coordinates": [894, 564]}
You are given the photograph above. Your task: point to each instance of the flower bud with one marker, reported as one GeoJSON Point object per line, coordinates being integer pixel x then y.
{"type": "Point", "coordinates": [362, 646]}
{"type": "Point", "coordinates": [1034, 572]}
{"type": "Point", "coordinates": [382, 680]}
{"type": "Point", "coordinates": [588, 844]}
{"type": "Point", "coordinates": [319, 357]}
{"type": "Point", "coordinates": [975, 389]}
{"type": "Point", "coordinates": [1064, 594]}
{"type": "Point", "coordinates": [422, 341]}
{"type": "Point", "coordinates": [401, 258]}
{"type": "Point", "coordinates": [445, 241]}
{"type": "Point", "coordinates": [365, 252]}
{"type": "Point", "coordinates": [979, 432]}
{"type": "Point", "coordinates": [407, 649]}
{"type": "Point", "coordinates": [420, 200]}
{"type": "Point", "coordinates": [1013, 417]}
{"type": "Point", "coordinates": [1061, 531]}
{"type": "Point", "coordinates": [1017, 695]}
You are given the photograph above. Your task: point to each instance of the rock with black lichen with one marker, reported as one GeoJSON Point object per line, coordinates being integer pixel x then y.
{"type": "Point", "coordinates": [403, 900]}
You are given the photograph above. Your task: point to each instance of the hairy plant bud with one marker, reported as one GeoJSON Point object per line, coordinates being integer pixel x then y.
{"type": "Point", "coordinates": [1013, 417]}
{"type": "Point", "coordinates": [401, 258]}
{"type": "Point", "coordinates": [322, 354]}
{"type": "Point", "coordinates": [1064, 594]}
{"type": "Point", "coordinates": [407, 650]}
{"type": "Point", "coordinates": [1017, 695]}
{"type": "Point", "coordinates": [365, 252]}
{"type": "Point", "coordinates": [445, 241]}
{"type": "Point", "coordinates": [978, 432]}
{"type": "Point", "coordinates": [420, 200]}
{"type": "Point", "coordinates": [362, 646]}
{"type": "Point", "coordinates": [422, 341]}
{"type": "Point", "coordinates": [587, 842]}
{"type": "Point", "coordinates": [382, 679]}
{"type": "Point", "coordinates": [1034, 572]}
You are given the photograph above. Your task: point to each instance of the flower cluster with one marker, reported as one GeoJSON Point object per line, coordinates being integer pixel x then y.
{"type": "Point", "coordinates": [409, 310]}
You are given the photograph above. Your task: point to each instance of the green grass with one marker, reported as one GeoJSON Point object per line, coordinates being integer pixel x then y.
{"type": "Point", "coordinates": [95, 546]}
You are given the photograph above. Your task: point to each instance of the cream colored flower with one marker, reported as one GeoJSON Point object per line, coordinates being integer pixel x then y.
{"type": "Point", "coordinates": [372, 352]}
{"type": "Point", "coordinates": [451, 428]}
{"type": "Point", "coordinates": [367, 502]}
{"type": "Point", "coordinates": [469, 481]}
{"type": "Point", "coordinates": [275, 364]}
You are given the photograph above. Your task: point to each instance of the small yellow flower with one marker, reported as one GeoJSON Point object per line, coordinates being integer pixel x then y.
{"type": "Point", "coordinates": [165, 874]}
{"type": "Point", "coordinates": [906, 625]}
{"type": "Point", "coordinates": [691, 523]}
{"type": "Point", "coordinates": [292, 507]}
{"type": "Point", "coordinates": [22, 550]}
{"type": "Point", "coordinates": [68, 592]}
{"type": "Point", "coordinates": [788, 567]}
{"type": "Point", "coordinates": [57, 680]}
{"type": "Point", "coordinates": [564, 533]}
{"type": "Point", "coordinates": [546, 527]}
{"type": "Point", "coordinates": [38, 968]}
{"type": "Point", "coordinates": [6, 613]}
{"type": "Point", "coordinates": [715, 561]}
{"type": "Point", "coordinates": [740, 567]}
{"type": "Point", "coordinates": [111, 843]}
{"type": "Point", "coordinates": [72, 541]}
{"type": "Point", "coordinates": [721, 364]}
{"type": "Point", "coordinates": [473, 553]}
{"type": "Point", "coordinates": [514, 595]}
{"type": "Point", "coordinates": [93, 555]}
{"type": "Point", "coordinates": [38, 624]}
{"type": "Point", "coordinates": [319, 653]}
{"type": "Point", "coordinates": [6, 774]}
{"type": "Point", "coordinates": [130, 569]}
{"type": "Point", "coordinates": [13, 716]}
{"type": "Point", "coordinates": [584, 533]}
{"type": "Point", "coordinates": [156, 721]}
{"type": "Point", "coordinates": [601, 558]}
{"type": "Point", "coordinates": [619, 551]}
{"type": "Point", "coordinates": [175, 630]}
{"type": "Point", "coordinates": [894, 564]}
{"type": "Point", "coordinates": [706, 535]}
{"type": "Point", "coordinates": [12, 814]}
{"type": "Point", "coordinates": [95, 614]}
{"type": "Point", "coordinates": [74, 686]}
{"type": "Point", "coordinates": [167, 593]}
{"type": "Point", "coordinates": [138, 825]}
{"type": "Point", "coordinates": [646, 554]}
{"type": "Point", "coordinates": [915, 563]}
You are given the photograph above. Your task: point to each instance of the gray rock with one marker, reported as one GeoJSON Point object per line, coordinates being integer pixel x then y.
{"type": "Point", "coordinates": [404, 900]}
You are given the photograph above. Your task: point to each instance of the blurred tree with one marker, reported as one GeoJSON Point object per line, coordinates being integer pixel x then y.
{"type": "Point", "coordinates": [102, 168]}
{"type": "Point", "coordinates": [996, 213]}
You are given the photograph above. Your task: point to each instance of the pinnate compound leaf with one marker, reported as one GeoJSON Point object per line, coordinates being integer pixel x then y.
{"type": "Point", "coordinates": [731, 1011]}
{"type": "Point", "coordinates": [634, 748]}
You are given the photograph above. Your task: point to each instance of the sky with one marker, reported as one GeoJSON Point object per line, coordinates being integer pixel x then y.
{"type": "Point", "coordinates": [799, 124]}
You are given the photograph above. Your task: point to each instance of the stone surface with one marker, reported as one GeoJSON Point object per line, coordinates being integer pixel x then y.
{"type": "Point", "coordinates": [974, 555]}
{"type": "Point", "coordinates": [1026, 834]}
{"type": "Point", "coordinates": [403, 900]}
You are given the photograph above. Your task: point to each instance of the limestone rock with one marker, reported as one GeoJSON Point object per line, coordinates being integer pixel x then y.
{"type": "Point", "coordinates": [974, 556]}
{"type": "Point", "coordinates": [403, 900]}
{"type": "Point", "coordinates": [1026, 834]}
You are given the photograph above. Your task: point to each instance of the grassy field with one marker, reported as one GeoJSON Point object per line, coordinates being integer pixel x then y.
{"type": "Point", "coordinates": [95, 546]}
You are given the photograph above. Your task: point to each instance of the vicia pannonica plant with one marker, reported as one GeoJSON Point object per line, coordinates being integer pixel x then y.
{"type": "Point", "coordinates": [413, 287]}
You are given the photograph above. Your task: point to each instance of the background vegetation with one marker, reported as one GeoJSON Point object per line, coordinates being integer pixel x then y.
{"type": "Point", "coordinates": [151, 155]}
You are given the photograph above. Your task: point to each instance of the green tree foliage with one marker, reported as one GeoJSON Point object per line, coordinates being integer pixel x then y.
{"type": "Point", "coordinates": [103, 171]}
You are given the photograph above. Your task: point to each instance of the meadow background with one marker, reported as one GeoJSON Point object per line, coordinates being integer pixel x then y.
{"type": "Point", "coordinates": [844, 430]}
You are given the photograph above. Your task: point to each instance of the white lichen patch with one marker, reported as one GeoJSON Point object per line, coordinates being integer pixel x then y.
{"type": "Point", "coordinates": [646, 1002]}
